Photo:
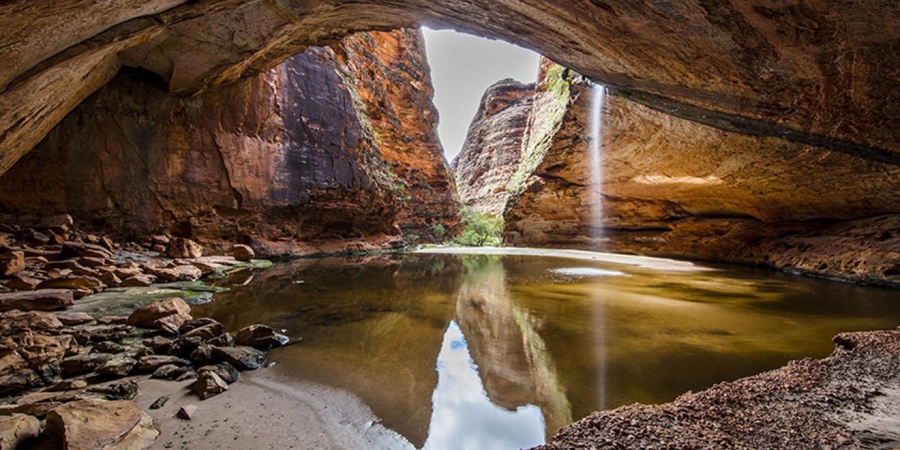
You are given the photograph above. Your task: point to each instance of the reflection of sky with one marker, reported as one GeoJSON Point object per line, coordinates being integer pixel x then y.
{"type": "Point", "coordinates": [588, 272]}
{"type": "Point", "coordinates": [463, 416]}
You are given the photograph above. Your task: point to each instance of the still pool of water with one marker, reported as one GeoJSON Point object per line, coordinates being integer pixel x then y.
{"type": "Point", "coordinates": [497, 352]}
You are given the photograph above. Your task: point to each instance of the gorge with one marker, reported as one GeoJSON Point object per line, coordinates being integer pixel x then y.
{"type": "Point", "coordinates": [666, 190]}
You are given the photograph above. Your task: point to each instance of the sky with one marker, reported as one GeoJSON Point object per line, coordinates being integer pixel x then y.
{"type": "Point", "coordinates": [462, 68]}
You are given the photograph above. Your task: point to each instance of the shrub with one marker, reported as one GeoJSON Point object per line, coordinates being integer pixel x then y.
{"type": "Point", "coordinates": [480, 229]}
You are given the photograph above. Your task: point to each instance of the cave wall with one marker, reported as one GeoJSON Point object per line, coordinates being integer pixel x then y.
{"type": "Point", "coordinates": [286, 160]}
{"type": "Point", "coordinates": [673, 187]}
{"type": "Point", "coordinates": [818, 72]}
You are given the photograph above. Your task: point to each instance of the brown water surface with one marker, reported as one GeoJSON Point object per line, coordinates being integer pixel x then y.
{"type": "Point", "coordinates": [487, 351]}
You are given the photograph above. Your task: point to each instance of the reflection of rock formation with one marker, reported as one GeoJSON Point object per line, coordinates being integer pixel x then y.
{"type": "Point", "coordinates": [511, 356]}
{"type": "Point", "coordinates": [370, 325]}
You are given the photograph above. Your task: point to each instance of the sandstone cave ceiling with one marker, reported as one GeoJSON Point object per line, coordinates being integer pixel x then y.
{"type": "Point", "coordinates": [819, 72]}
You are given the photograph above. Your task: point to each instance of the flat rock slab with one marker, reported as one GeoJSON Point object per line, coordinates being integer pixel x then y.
{"type": "Point", "coordinates": [93, 424]}
{"type": "Point", "coordinates": [17, 429]}
{"type": "Point", "coordinates": [40, 300]}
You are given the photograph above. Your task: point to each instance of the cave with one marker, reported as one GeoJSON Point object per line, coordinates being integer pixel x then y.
{"type": "Point", "coordinates": [681, 184]}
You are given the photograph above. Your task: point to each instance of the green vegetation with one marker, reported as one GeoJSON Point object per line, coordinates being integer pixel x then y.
{"type": "Point", "coordinates": [439, 231]}
{"type": "Point", "coordinates": [550, 107]}
{"type": "Point", "coordinates": [480, 229]}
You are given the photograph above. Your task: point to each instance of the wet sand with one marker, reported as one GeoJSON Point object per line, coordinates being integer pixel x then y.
{"type": "Point", "coordinates": [264, 411]}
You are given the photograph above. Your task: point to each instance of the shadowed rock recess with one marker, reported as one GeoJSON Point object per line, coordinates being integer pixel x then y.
{"type": "Point", "coordinates": [335, 143]}
{"type": "Point", "coordinates": [674, 187]}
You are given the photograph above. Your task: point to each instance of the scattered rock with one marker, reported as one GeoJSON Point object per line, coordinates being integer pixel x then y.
{"type": "Point", "coordinates": [12, 321]}
{"type": "Point", "coordinates": [177, 273]}
{"type": "Point", "coordinates": [79, 364]}
{"type": "Point", "coordinates": [159, 344]}
{"type": "Point", "coordinates": [76, 283]}
{"type": "Point", "coordinates": [113, 320]}
{"type": "Point", "coordinates": [160, 402]}
{"type": "Point", "coordinates": [61, 222]}
{"type": "Point", "coordinates": [243, 358]}
{"type": "Point", "coordinates": [108, 347]}
{"type": "Point", "coordinates": [183, 248]}
{"type": "Point", "coordinates": [260, 336]}
{"type": "Point", "coordinates": [224, 370]}
{"type": "Point", "coordinates": [202, 355]}
{"type": "Point", "coordinates": [73, 318]}
{"type": "Point", "coordinates": [68, 385]}
{"type": "Point", "coordinates": [22, 282]}
{"type": "Point", "coordinates": [205, 332]}
{"type": "Point", "coordinates": [12, 263]}
{"type": "Point", "coordinates": [243, 252]}
{"type": "Point", "coordinates": [168, 315]}
{"type": "Point", "coordinates": [139, 280]}
{"type": "Point", "coordinates": [118, 366]}
{"type": "Point", "coordinates": [40, 300]}
{"type": "Point", "coordinates": [196, 323]}
{"type": "Point", "coordinates": [186, 412]}
{"type": "Point", "coordinates": [17, 429]}
{"type": "Point", "coordinates": [116, 390]}
{"type": "Point", "coordinates": [208, 384]}
{"type": "Point", "coordinates": [98, 424]}
{"type": "Point", "coordinates": [173, 372]}
{"type": "Point", "coordinates": [19, 381]}
{"type": "Point", "coordinates": [222, 340]}
{"type": "Point", "coordinates": [152, 362]}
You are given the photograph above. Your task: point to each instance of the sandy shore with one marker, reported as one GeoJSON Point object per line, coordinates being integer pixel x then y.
{"type": "Point", "coordinates": [264, 411]}
{"type": "Point", "coordinates": [645, 262]}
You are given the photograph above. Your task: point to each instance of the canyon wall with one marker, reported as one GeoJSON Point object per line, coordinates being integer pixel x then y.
{"type": "Point", "coordinates": [673, 187]}
{"type": "Point", "coordinates": [492, 150]}
{"type": "Point", "coordinates": [334, 144]}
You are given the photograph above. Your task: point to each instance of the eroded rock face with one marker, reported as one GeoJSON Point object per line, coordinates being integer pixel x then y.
{"type": "Point", "coordinates": [820, 72]}
{"type": "Point", "coordinates": [331, 144]}
{"type": "Point", "coordinates": [493, 146]}
{"type": "Point", "coordinates": [674, 187]}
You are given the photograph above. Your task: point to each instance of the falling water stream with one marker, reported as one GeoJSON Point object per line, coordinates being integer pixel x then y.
{"type": "Point", "coordinates": [598, 103]}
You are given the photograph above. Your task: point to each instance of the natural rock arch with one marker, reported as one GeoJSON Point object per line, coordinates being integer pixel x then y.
{"type": "Point", "coordinates": [820, 72]}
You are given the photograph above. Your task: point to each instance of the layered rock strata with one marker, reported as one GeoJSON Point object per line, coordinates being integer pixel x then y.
{"type": "Point", "coordinates": [817, 72]}
{"type": "Point", "coordinates": [492, 150]}
{"type": "Point", "coordinates": [335, 144]}
{"type": "Point", "coordinates": [673, 187]}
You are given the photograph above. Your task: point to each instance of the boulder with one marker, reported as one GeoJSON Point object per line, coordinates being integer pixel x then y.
{"type": "Point", "coordinates": [205, 332]}
{"type": "Point", "coordinates": [11, 321]}
{"type": "Point", "coordinates": [118, 366]}
{"type": "Point", "coordinates": [159, 344]}
{"type": "Point", "coordinates": [82, 250]}
{"type": "Point", "coordinates": [110, 332]}
{"type": "Point", "coordinates": [202, 355]}
{"type": "Point", "coordinates": [60, 222]}
{"type": "Point", "coordinates": [208, 384]}
{"type": "Point", "coordinates": [23, 282]}
{"type": "Point", "coordinates": [116, 390]}
{"type": "Point", "coordinates": [140, 280]}
{"type": "Point", "coordinates": [260, 336]}
{"type": "Point", "coordinates": [196, 323]}
{"type": "Point", "coordinates": [183, 248]}
{"type": "Point", "coordinates": [68, 385]}
{"type": "Point", "coordinates": [40, 300]}
{"type": "Point", "coordinates": [168, 315]}
{"type": "Point", "coordinates": [150, 363]}
{"type": "Point", "coordinates": [79, 364]}
{"type": "Point", "coordinates": [243, 358]}
{"type": "Point", "coordinates": [243, 252]}
{"type": "Point", "coordinates": [177, 273]}
{"type": "Point", "coordinates": [224, 370]}
{"type": "Point", "coordinates": [17, 429]}
{"type": "Point", "coordinates": [12, 263]}
{"type": "Point", "coordinates": [74, 318]}
{"type": "Point", "coordinates": [222, 340]}
{"type": "Point", "coordinates": [96, 424]}
{"type": "Point", "coordinates": [75, 283]}
{"type": "Point", "coordinates": [173, 372]}
{"type": "Point", "coordinates": [110, 279]}
{"type": "Point", "coordinates": [19, 381]}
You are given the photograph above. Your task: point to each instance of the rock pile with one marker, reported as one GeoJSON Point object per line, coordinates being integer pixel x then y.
{"type": "Point", "coordinates": [61, 367]}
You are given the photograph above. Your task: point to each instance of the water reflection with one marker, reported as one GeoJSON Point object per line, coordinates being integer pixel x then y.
{"type": "Point", "coordinates": [566, 342]}
{"type": "Point", "coordinates": [463, 416]}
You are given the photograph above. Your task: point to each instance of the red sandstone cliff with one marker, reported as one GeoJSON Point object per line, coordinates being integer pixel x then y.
{"type": "Point", "coordinates": [678, 188]}
{"type": "Point", "coordinates": [493, 147]}
{"type": "Point", "coordinates": [288, 160]}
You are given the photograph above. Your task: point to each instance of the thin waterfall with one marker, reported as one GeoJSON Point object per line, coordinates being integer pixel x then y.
{"type": "Point", "coordinates": [598, 105]}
